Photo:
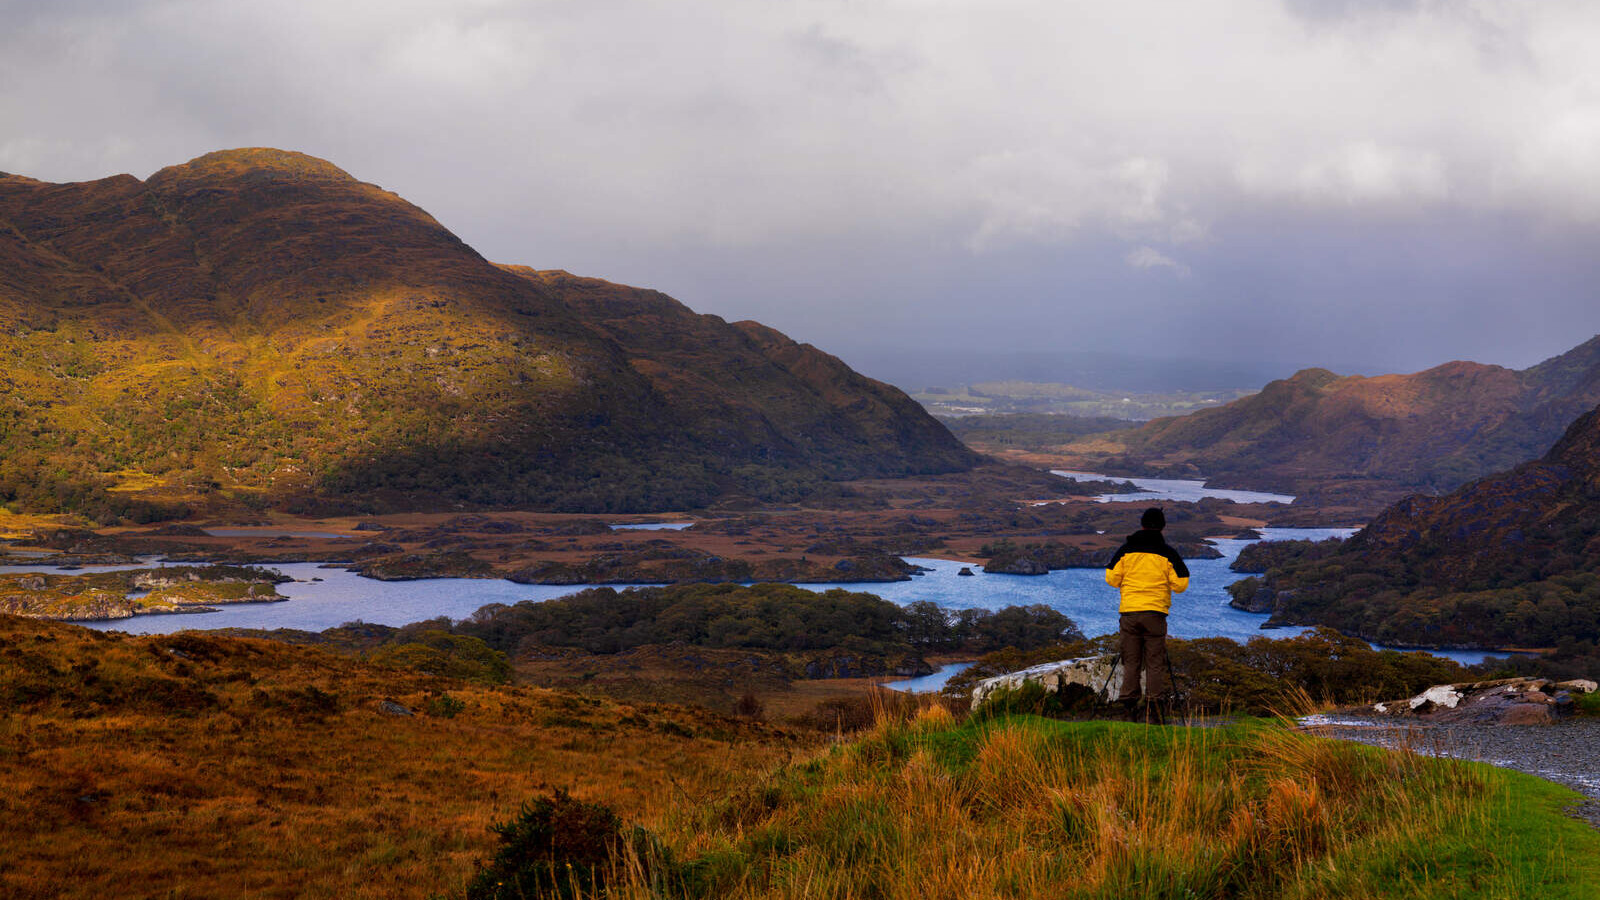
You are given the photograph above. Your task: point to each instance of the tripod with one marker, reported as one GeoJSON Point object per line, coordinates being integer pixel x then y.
{"type": "Point", "coordinates": [1173, 702]}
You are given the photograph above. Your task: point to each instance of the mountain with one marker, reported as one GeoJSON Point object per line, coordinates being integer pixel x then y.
{"type": "Point", "coordinates": [1508, 560]}
{"type": "Point", "coordinates": [256, 326]}
{"type": "Point", "coordinates": [1435, 429]}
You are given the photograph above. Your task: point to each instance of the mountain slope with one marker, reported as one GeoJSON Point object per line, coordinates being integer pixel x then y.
{"type": "Point", "coordinates": [259, 325]}
{"type": "Point", "coordinates": [1434, 429]}
{"type": "Point", "coordinates": [1509, 560]}
{"type": "Point", "coordinates": [747, 385]}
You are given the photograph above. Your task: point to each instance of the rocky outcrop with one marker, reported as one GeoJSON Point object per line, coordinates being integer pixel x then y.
{"type": "Point", "coordinates": [1509, 701]}
{"type": "Point", "coordinates": [1096, 676]}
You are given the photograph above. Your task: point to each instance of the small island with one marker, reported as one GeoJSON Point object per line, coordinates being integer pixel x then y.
{"type": "Point", "coordinates": [127, 593]}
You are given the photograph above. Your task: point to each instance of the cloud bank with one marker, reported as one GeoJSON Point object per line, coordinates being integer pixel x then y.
{"type": "Point", "coordinates": [1387, 184]}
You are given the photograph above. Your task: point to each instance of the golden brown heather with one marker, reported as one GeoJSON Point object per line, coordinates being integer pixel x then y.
{"type": "Point", "coordinates": [257, 326]}
{"type": "Point", "coordinates": [192, 766]}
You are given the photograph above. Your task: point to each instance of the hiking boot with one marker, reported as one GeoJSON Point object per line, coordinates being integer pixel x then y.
{"type": "Point", "coordinates": [1127, 711]}
{"type": "Point", "coordinates": [1154, 713]}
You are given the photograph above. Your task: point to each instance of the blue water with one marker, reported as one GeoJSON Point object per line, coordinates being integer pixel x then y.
{"type": "Point", "coordinates": [1172, 490]}
{"type": "Point", "coordinates": [1083, 594]}
{"type": "Point", "coordinates": [326, 597]}
{"type": "Point", "coordinates": [274, 532]}
{"type": "Point", "coordinates": [341, 596]}
{"type": "Point", "coordinates": [928, 684]}
{"type": "Point", "coordinates": [652, 526]}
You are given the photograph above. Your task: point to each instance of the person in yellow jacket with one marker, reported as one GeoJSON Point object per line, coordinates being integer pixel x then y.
{"type": "Point", "coordinates": [1148, 572]}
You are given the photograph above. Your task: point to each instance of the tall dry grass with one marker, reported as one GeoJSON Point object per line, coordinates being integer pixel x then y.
{"type": "Point", "coordinates": [923, 808]}
{"type": "Point", "coordinates": [205, 768]}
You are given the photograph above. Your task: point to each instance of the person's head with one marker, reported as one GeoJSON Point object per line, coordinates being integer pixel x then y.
{"type": "Point", "coordinates": [1153, 519]}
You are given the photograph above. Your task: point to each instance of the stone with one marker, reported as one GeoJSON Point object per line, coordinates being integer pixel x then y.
{"type": "Point", "coordinates": [1444, 695]}
{"type": "Point", "coordinates": [1526, 714]}
{"type": "Point", "coordinates": [1578, 686]}
{"type": "Point", "coordinates": [1508, 701]}
{"type": "Point", "coordinates": [391, 708]}
{"type": "Point", "coordinates": [965, 570]}
{"type": "Point", "coordinates": [1102, 675]}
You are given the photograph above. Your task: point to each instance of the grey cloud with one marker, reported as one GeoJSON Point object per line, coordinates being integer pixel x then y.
{"type": "Point", "coordinates": [866, 173]}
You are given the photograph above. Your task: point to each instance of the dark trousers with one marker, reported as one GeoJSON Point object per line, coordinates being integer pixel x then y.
{"type": "Point", "coordinates": [1144, 646]}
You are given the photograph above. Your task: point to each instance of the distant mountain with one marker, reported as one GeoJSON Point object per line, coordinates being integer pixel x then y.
{"type": "Point", "coordinates": [1509, 560]}
{"type": "Point", "coordinates": [1434, 430]}
{"type": "Point", "coordinates": [260, 327]}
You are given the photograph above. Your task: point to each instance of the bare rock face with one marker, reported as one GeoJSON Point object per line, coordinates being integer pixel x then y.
{"type": "Point", "coordinates": [1509, 701]}
{"type": "Point", "coordinates": [1101, 675]}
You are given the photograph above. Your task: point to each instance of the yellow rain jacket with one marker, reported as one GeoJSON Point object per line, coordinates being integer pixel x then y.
{"type": "Point", "coordinates": [1148, 571]}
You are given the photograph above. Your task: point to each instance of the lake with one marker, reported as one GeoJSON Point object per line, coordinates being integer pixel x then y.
{"type": "Point", "coordinates": [1172, 490]}
{"type": "Point", "coordinates": [322, 598]}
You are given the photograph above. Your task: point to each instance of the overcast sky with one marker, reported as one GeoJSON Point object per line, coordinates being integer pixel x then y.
{"type": "Point", "coordinates": [1370, 185]}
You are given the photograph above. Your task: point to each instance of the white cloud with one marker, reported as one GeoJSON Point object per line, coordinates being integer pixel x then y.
{"type": "Point", "coordinates": [1151, 258]}
{"type": "Point", "coordinates": [1014, 121]}
{"type": "Point", "coordinates": [594, 134]}
{"type": "Point", "coordinates": [1360, 173]}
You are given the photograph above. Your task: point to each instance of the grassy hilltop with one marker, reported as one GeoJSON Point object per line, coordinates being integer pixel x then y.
{"type": "Point", "coordinates": [199, 766]}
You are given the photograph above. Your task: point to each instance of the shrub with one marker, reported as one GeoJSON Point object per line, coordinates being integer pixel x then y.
{"type": "Point", "coordinates": [442, 706]}
{"type": "Point", "coordinates": [449, 655]}
{"type": "Point", "coordinates": [1030, 698]}
{"type": "Point", "coordinates": [555, 846]}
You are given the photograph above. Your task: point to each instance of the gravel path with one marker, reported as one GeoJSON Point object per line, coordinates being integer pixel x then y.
{"type": "Point", "coordinates": [1567, 752]}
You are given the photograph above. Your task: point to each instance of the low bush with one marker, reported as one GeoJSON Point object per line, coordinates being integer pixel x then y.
{"type": "Point", "coordinates": [556, 846]}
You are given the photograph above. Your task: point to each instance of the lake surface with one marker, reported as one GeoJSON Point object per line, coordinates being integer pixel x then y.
{"type": "Point", "coordinates": [1174, 490]}
{"type": "Point", "coordinates": [928, 684]}
{"type": "Point", "coordinates": [273, 532]}
{"type": "Point", "coordinates": [338, 596]}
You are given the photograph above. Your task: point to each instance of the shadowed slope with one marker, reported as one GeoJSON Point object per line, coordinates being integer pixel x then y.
{"type": "Point", "coordinates": [747, 385]}
{"type": "Point", "coordinates": [258, 324]}
{"type": "Point", "coordinates": [1434, 429]}
{"type": "Point", "coordinates": [1509, 560]}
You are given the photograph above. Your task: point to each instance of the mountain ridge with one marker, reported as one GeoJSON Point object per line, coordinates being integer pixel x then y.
{"type": "Point", "coordinates": [1434, 430]}
{"type": "Point", "coordinates": [259, 326]}
{"type": "Point", "coordinates": [1508, 560]}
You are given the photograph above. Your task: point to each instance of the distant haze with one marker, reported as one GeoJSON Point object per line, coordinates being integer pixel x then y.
{"type": "Point", "coordinates": [1204, 189]}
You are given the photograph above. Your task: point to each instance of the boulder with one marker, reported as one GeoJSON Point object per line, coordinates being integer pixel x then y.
{"type": "Point", "coordinates": [1101, 675]}
{"type": "Point", "coordinates": [1445, 695]}
{"type": "Point", "coordinates": [1507, 701]}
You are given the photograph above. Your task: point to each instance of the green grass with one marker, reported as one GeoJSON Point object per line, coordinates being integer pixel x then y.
{"type": "Point", "coordinates": [1028, 807]}
{"type": "Point", "coordinates": [1589, 704]}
